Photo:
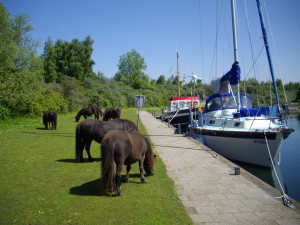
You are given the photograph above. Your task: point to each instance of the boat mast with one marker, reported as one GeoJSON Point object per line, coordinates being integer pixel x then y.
{"type": "Point", "coordinates": [235, 52]}
{"type": "Point", "coordinates": [264, 32]}
{"type": "Point", "coordinates": [178, 74]}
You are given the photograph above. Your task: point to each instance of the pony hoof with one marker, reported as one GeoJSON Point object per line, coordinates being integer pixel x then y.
{"type": "Point", "coordinates": [144, 181]}
{"type": "Point", "coordinates": [118, 194]}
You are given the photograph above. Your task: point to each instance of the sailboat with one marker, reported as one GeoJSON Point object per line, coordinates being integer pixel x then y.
{"type": "Point", "coordinates": [178, 112]}
{"type": "Point", "coordinates": [232, 127]}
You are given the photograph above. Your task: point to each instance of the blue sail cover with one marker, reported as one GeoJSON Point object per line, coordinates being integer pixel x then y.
{"type": "Point", "coordinates": [234, 75]}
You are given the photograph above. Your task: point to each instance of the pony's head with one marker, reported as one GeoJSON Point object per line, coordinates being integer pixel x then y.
{"type": "Point", "coordinates": [149, 160]}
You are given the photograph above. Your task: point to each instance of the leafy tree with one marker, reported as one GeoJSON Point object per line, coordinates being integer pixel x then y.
{"type": "Point", "coordinates": [161, 80]}
{"type": "Point", "coordinates": [131, 66]}
{"type": "Point", "coordinates": [71, 59]}
{"type": "Point", "coordinates": [20, 69]}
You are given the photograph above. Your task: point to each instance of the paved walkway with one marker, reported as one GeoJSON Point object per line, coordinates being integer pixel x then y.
{"type": "Point", "coordinates": [207, 186]}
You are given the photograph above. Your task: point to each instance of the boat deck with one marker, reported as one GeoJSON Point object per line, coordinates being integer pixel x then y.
{"type": "Point", "coordinates": [207, 184]}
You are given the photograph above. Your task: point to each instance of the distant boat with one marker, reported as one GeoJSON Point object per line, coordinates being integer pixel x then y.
{"type": "Point", "coordinates": [179, 107]}
{"type": "Point", "coordinates": [232, 127]}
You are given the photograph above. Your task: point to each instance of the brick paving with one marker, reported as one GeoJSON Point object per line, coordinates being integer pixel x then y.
{"type": "Point", "coordinates": [207, 186]}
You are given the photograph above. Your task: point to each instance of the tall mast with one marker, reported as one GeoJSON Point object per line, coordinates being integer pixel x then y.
{"type": "Point", "coordinates": [264, 33]}
{"type": "Point", "coordinates": [178, 74]}
{"type": "Point", "coordinates": [235, 52]}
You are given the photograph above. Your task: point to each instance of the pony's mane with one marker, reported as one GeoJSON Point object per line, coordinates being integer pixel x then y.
{"type": "Point", "coordinates": [149, 153]}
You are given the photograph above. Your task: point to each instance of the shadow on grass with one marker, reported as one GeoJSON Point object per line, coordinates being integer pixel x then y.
{"type": "Point", "coordinates": [92, 188]}
{"type": "Point", "coordinates": [42, 128]}
{"type": "Point", "coordinates": [73, 160]}
{"type": "Point", "coordinates": [55, 133]}
{"type": "Point", "coordinates": [88, 189]}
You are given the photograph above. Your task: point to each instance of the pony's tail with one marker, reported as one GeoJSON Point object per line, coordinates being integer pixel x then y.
{"type": "Point", "coordinates": [107, 166]}
{"type": "Point", "coordinates": [78, 145]}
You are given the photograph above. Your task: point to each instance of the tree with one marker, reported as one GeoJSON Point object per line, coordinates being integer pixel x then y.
{"type": "Point", "coordinates": [131, 66]}
{"type": "Point", "coordinates": [161, 80]}
{"type": "Point", "coordinates": [20, 69]}
{"type": "Point", "coordinates": [71, 59]}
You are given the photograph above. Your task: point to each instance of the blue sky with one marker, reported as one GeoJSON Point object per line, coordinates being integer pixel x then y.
{"type": "Point", "coordinates": [159, 28]}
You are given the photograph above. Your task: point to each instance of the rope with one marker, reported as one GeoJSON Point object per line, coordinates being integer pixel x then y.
{"type": "Point", "coordinates": [174, 116]}
{"type": "Point", "coordinates": [284, 197]}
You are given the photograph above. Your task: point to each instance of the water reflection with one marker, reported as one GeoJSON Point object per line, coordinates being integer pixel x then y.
{"type": "Point", "coordinates": [272, 176]}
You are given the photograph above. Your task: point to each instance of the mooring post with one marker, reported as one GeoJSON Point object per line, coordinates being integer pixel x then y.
{"type": "Point", "coordinates": [237, 171]}
{"type": "Point", "coordinates": [179, 128]}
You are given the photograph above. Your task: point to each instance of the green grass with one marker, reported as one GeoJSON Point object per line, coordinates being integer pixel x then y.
{"type": "Point", "coordinates": [41, 183]}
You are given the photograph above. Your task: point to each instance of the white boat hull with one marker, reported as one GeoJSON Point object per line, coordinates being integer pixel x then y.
{"type": "Point", "coordinates": [250, 147]}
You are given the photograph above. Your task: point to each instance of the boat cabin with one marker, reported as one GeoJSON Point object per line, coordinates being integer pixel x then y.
{"type": "Point", "coordinates": [227, 102]}
{"type": "Point", "coordinates": [180, 103]}
{"type": "Point", "coordinates": [223, 101]}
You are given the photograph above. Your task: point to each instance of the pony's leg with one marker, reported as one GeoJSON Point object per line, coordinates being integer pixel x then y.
{"type": "Point", "coordinates": [79, 151]}
{"type": "Point", "coordinates": [87, 148]}
{"type": "Point", "coordinates": [128, 168]}
{"type": "Point", "coordinates": [118, 178]}
{"type": "Point", "coordinates": [141, 166]}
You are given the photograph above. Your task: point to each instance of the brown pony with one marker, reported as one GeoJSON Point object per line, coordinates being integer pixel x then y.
{"type": "Point", "coordinates": [112, 113]}
{"type": "Point", "coordinates": [50, 117]}
{"type": "Point", "coordinates": [91, 129]}
{"type": "Point", "coordinates": [124, 148]}
{"type": "Point", "coordinates": [86, 112]}
{"type": "Point", "coordinates": [96, 110]}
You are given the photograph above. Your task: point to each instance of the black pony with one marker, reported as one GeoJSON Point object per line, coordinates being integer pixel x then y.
{"type": "Point", "coordinates": [112, 113]}
{"type": "Point", "coordinates": [50, 118]}
{"type": "Point", "coordinates": [91, 129]}
{"type": "Point", "coordinates": [86, 112]}
{"type": "Point", "coordinates": [124, 148]}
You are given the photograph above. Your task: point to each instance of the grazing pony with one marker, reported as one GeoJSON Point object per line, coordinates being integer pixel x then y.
{"type": "Point", "coordinates": [124, 148]}
{"type": "Point", "coordinates": [96, 110]}
{"type": "Point", "coordinates": [86, 112]}
{"type": "Point", "coordinates": [112, 113]}
{"type": "Point", "coordinates": [50, 117]}
{"type": "Point", "coordinates": [91, 129]}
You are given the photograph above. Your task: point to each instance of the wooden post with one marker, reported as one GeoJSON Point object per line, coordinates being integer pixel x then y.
{"type": "Point", "coordinates": [237, 171]}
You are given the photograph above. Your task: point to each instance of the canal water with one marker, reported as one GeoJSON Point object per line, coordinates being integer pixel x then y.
{"type": "Point", "coordinates": [287, 164]}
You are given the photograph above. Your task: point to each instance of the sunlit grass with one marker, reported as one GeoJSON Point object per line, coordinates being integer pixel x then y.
{"type": "Point", "coordinates": [41, 183]}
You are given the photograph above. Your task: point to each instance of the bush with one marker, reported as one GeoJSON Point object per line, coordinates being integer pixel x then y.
{"type": "Point", "coordinates": [48, 100]}
{"type": "Point", "coordinates": [4, 113]}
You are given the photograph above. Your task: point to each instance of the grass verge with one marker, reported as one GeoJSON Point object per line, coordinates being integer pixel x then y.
{"type": "Point", "coordinates": [42, 184]}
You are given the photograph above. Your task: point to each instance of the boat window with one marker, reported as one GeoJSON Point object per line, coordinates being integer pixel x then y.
{"type": "Point", "coordinates": [211, 122]}
{"type": "Point", "coordinates": [182, 104]}
{"type": "Point", "coordinates": [237, 124]}
{"type": "Point", "coordinates": [228, 102]}
{"type": "Point", "coordinates": [214, 104]}
{"type": "Point", "coordinates": [246, 102]}
{"type": "Point", "coordinates": [174, 105]}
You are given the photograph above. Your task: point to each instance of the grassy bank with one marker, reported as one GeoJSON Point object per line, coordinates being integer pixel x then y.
{"type": "Point", "coordinates": [41, 183]}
